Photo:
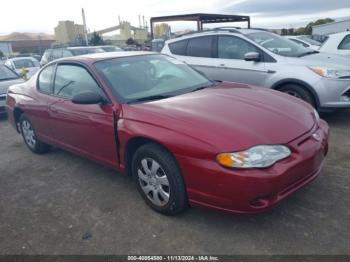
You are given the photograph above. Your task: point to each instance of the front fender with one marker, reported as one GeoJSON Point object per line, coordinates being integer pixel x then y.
{"type": "Point", "coordinates": [177, 143]}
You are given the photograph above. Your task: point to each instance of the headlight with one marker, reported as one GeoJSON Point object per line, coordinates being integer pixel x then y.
{"type": "Point", "coordinates": [330, 73]}
{"type": "Point", "coordinates": [256, 157]}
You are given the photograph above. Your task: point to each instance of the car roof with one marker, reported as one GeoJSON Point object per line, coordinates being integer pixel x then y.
{"type": "Point", "coordinates": [82, 47]}
{"type": "Point", "coordinates": [223, 30]}
{"type": "Point", "coordinates": [21, 58]}
{"type": "Point", "coordinates": [91, 58]}
{"type": "Point", "coordinates": [340, 34]}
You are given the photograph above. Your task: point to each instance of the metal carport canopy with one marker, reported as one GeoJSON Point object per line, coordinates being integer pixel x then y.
{"type": "Point", "coordinates": [201, 19]}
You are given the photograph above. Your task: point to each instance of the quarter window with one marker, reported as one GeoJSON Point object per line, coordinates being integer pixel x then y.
{"type": "Point", "coordinates": [45, 79]}
{"type": "Point", "coordinates": [231, 47]}
{"type": "Point", "coordinates": [200, 46]}
{"type": "Point", "coordinates": [345, 44]}
{"type": "Point", "coordinates": [178, 48]}
{"type": "Point", "coordinates": [71, 80]}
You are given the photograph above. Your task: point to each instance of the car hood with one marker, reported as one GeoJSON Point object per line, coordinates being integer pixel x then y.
{"type": "Point", "coordinates": [5, 84]}
{"type": "Point", "coordinates": [229, 116]}
{"type": "Point", "coordinates": [323, 59]}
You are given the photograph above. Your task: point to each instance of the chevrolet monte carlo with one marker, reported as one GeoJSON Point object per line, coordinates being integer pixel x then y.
{"type": "Point", "coordinates": [186, 141]}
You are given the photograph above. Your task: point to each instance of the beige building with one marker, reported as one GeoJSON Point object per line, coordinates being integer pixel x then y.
{"type": "Point", "coordinates": [69, 32]}
{"type": "Point", "coordinates": [162, 30]}
{"type": "Point", "coordinates": [117, 35]}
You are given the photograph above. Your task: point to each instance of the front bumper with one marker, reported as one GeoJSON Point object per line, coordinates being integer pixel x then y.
{"type": "Point", "coordinates": [333, 93]}
{"type": "Point", "coordinates": [257, 190]}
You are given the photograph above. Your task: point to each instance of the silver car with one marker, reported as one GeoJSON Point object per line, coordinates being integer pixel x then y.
{"type": "Point", "coordinates": [19, 63]}
{"type": "Point", "coordinates": [261, 58]}
{"type": "Point", "coordinates": [7, 78]}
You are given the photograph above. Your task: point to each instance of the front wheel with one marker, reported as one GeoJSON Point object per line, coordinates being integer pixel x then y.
{"type": "Point", "coordinates": [298, 92]}
{"type": "Point", "coordinates": [30, 138]}
{"type": "Point", "coordinates": [159, 180]}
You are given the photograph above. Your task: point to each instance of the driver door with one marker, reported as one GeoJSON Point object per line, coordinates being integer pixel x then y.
{"type": "Point", "coordinates": [85, 129]}
{"type": "Point", "coordinates": [231, 66]}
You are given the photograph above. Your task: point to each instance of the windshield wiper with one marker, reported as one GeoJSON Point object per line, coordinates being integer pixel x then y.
{"type": "Point", "coordinates": [8, 78]}
{"type": "Point", "coordinates": [149, 98]}
{"type": "Point", "coordinates": [214, 83]}
{"type": "Point", "coordinates": [308, 53]}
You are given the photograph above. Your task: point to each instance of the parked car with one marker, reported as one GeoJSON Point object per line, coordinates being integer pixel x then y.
{"type": "Point", "coordinates": [305, 42]}
{"type": "Point", "coordinates": [337, 44]}
{"type": "Point", "coordinates": [57, 53]}
{"type": "Point", "coordinates": [18, 64]}
{"type": "Point", "coordinates": [265, 59]}
{"type": "Point", "coordinates": [7, 78]}
{"type": "Point", "coordinates": [131, 48]}
{"type": "Point", "coordinates": [110, 48]}
{"type": "Point", "coordinates": [183, 138]}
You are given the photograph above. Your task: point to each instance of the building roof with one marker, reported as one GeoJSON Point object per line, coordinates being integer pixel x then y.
{"type": "Point", "coordinates": [204, 18]}
{"type": "Point", "coordinates": [17, 36]}
{"type": "Point", "coordinates": [201, 18]}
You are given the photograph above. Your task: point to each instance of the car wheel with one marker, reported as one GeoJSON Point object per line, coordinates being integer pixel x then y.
{"type": "Point", "coordinates": [159, 180]}
{"type": "Point", "coordinates": [298, 92]}
{"type": "Point", "coordinates": [30, 138]}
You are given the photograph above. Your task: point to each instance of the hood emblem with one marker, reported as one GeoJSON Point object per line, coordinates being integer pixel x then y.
{"type": "Point", "coordinates": [316, 136]}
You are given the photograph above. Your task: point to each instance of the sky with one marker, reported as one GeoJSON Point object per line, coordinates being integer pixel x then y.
{"type": "Point", "coordinates": [43, 15]}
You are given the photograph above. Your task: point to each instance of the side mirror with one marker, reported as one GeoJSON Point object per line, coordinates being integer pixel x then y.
{"type": "Point", "coordinates": [88, 98]}
{"type": "Point", "coordinates": [252, 56]}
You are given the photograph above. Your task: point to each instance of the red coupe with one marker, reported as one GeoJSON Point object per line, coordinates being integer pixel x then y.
{"type": "Point", "coordinates": [186, 140]}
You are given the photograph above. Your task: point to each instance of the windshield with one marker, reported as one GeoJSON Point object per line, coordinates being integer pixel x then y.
{"type": "Point", "coordinates": [84, 51]}
{"type": "Point", "coordinates": [6, 73]}
{"type": "Point", "coordinates": [149, 77]}
{"type": "Point", "coordinates": [26, 63]}
{"type": "Point", "coordinates": [278, 44]}
{"type": "Point", "coordinates": [309, 40]}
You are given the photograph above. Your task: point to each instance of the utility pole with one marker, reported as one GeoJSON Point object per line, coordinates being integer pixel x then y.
{"type": "Point", "coordinates": [85, 29]}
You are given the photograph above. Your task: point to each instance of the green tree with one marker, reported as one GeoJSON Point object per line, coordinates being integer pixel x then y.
{"type": "Point", "coordinates": [131, 41]}
{"type": "Point", "coordinates": [96, 39]}
{"type": "Point", "coordinates": [308, 29]}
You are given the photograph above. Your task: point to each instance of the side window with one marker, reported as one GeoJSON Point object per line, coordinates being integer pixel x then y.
{"type": "Point", "coordinates": [200, 46]}
{"type": "Point", "coordinates": [71, 80]}
{"type": "Point", "coordinates": [231, 47]}
{"type": "Point", "coordinates": [345, 44]}
{"type": "Point", "coordinates": [44, 82]}
{"type": "Point", "coordinates": [56, 54]}
{"type": "Point", "coordinates": [178, 48]}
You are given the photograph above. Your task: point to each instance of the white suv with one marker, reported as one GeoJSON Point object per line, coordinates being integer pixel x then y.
{"type": "Point", "coordinates": [261, 58]}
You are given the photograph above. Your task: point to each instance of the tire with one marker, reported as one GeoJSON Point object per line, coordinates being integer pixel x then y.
{"type": "Point", "coordinates": [30, 138]}
{"type": "Point", "coordinates": [158, 179]}
{"type": "Point", "coordinates": [299, 92]}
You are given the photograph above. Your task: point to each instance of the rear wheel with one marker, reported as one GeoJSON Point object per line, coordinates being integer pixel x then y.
{"type": "Point", "coordinates": [298, 92]}
{"type": "Point", "coordinates": [159, 180]}
{"type": "Point", "coordinates": [30, 138]}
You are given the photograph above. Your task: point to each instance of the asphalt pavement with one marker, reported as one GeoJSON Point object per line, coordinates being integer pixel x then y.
{"type": "Point", "coordinates": [60, 203]}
